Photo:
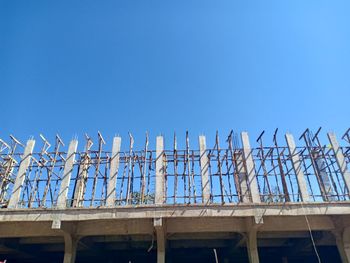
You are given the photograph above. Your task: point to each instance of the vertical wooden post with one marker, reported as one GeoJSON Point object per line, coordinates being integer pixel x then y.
{"type": "Point", "coordinates": [23, 166]}
{"type": "Point", "coordinates": [67, 173]}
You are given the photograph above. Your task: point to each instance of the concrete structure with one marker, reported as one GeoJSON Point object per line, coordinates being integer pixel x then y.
{"type": "Point", "coordinates": [132, 220]}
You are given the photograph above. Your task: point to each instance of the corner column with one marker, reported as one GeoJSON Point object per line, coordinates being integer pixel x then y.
{"type": "Point", "coordinates": [67, 173]}
{"type": "Point", "coordinates": [204, 163]}
{"type": "Point", "coordinates": [23, 166]}
{"type": "Point", "coordinates": [296, 163]}
{"type": "Point", "coordinates": [250, 169]}
{"type": "Point", "coordinates": [113, 172]}
{"type": "Point", "coordinates": [160, 171]}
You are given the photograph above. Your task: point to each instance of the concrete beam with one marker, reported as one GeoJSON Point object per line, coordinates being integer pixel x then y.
{"type": "Point", "coordinates": [250, 168]}
{"type": "Point", "coordinates": [23, 166]}
{"type": "Point", "coordinates": [160, 171]}
{"type": "Point", "coordinates": [113, 172]}
{"type": "Point", "coordinates": [159, 226]}
{"type": "Point", "coordinates": [180, 211]}
{"type": "Point", "coordinates": [340, 159]}
{"type": "Point", "coordinates": [296, 163]}
{"type": "Point", "coordinates": [145, 226]}
{"type": "Point", "coordinates": [204, 163]}
{"type": "Point", "coordinates": [67, 173]}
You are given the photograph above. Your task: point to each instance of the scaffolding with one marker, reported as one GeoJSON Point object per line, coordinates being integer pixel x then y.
{"type": "Point", "coordinates": [227, 173]}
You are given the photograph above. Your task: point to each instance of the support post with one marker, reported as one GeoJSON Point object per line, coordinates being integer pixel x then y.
{"type": "Point", "coordinates": [23, 166]}
{"type": "Point", "coordinates": [340, 159]}
{"type": "Point", "coordinates": [296, 163]}
{"type": "Point", "coordinates": [113, 172]}
{"type": "Point", "coordinates": [249, 164]}
{"type": "Point", "coordinates": [67, 173]}
{"type": "Point", "coordinates": [160, 228]}
{"type": "Point", "coordinates": [242, 178]}
{"type": "Point", "coordinates": [343, 244]}
{"type": "Point", "coordinates": [70, 247]}
{"type": "Point", "coordinates": [322, 170]}
{"type": "Point", "coordinates": [252, 240]}
{"type": "Point", "coordinates": [160, 171]}
{"type": "Point", "coordinates": [204, 163]}
{"type": "Point", "coordinates": [81, 182]}
{"type": "Point", "coordinates": [71, 239]}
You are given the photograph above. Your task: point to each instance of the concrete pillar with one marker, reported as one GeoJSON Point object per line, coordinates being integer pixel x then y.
{"type": "Point", "coordinates": [23, 166]}
{"type": "Point", "coordinates": [322, 170]}
{"type": "Point", "coordinates": [296, 163]}
{"type": "Point", "coordinates": [113, 172]}
{"type": "Point", "coordinates": [67, 173]}
{"type": "Point", "coordinates": [204, 163]}
{"type": "Point", "coordinates": [70, 247]}
{"type": "Point", "coordinates": [160, 171]}
{"type": "Point", "coordinates": [340, 159]}
{"type": "Point", "coordinates": [249, 164]}
{"type": "Point", "coordinates": [343, 244]}
{"type": "Point", "coordinates": [252, 246]}
{"type": "Point", "coordinates": [242, 177]}
{"type": "Point", "coordinates": [81, 182]}
{"type": "Point", "coordinates": [251, 238]}
{"type": "Point", "coordinates": [160, 228]}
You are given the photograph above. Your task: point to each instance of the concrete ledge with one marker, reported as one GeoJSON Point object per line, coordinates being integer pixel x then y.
{"type": "Point", "coordinates": [175, 211]}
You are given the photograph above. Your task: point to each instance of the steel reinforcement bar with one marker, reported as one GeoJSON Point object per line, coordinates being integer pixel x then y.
{"type": "Point", "coordinates": [60, 175]}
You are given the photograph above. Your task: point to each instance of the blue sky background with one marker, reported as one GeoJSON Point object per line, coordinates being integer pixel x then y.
{"type": "Point", "coordinates": [71, 67]}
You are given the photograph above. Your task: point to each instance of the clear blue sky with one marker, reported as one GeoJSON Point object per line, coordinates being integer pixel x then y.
{"type": "Point", "coordinates": [162, 66]}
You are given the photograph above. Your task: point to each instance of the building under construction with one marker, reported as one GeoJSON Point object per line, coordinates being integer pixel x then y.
{"type": "Point", "coordinates": [267, 199]}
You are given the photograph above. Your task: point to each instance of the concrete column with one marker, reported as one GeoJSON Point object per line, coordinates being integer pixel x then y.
{"type": "Point", "coordinates": [249, 164]}
{"type": "Point", "coordinates": [343, 244]}
{"type": "Point", "coordinates": [160, 171]}
{"type": "Point", "coordinates": [252, 246]}
{"type": "Point", "coordinates": [242, 177]}
{"type": "Point", "coordinates": [113, 172]}
{"type": "Point", "coordinates": [322, 170]}
{"type": "Point", "coordinates": [67, 173]}
{"type": "Point", "coordinates": [160, 228]}
{"type": "Point", "coordinates": [296, 163]}
{"type": "Point", "coordinates": [23, 166]}
{"type": "Point", "coordinates": [340, 159]}
{"type": "Point", "coordinates": [70, 247]}
{"type": "Point", "coordinates": [81, 182]}
{"type": "Point", "coordinates": [204, 163]}
{"type": "Point", "coordinates": [251, 239]}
